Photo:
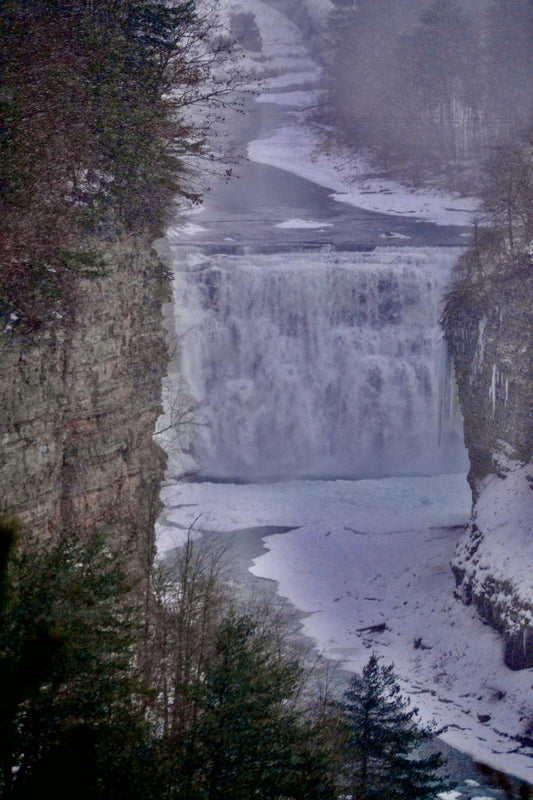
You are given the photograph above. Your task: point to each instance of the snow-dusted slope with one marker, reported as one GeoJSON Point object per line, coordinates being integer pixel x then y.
{"type": "Point", "coordinates": [303, 148]}
{"type": "Point", "coordinates": [282, 50]}
{"type": "Point", "coordinates": [494, 562]}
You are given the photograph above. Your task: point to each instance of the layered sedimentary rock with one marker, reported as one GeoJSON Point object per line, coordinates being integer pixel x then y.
{"type": "Point", "coordinates": [78, 408]}
{"type": "Point", "coordinates": [489, 327]}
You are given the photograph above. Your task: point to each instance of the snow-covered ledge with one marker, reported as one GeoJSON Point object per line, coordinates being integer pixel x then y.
{"type": "Point", "coordinates": [493, 565]}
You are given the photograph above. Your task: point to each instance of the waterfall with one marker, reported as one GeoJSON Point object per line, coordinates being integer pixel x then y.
{"type": "Point", "coordinates": [318, 364]}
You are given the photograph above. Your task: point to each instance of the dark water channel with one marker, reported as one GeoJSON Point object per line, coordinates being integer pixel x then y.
{"type": "Point", "coordinates": [245, 213]}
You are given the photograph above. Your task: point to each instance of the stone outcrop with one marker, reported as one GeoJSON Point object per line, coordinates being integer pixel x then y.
{"type": "Point", "coordinates": [493, 563]}
{"type": "Point", "coordinates": [78, 409]}
{"type": "Point", "coordinates": [489, 328]}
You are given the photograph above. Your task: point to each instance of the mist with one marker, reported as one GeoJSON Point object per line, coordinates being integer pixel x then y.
{"type": "Point", "coordinates": [430, 86]}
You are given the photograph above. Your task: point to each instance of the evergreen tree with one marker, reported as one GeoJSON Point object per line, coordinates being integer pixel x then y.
{"type": "Point", "coordinates": [70, 717]}
{"type": "Point", "coordinates": [381, 740]}
{"type": "Point", "coordinates": [81, 713]}
{"type": "Point", "coordinates": [96, 136]}
{"type": "Point", "coordinates": [251, 740]}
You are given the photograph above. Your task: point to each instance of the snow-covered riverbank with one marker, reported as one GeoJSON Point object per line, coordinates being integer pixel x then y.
{"type": "Point", "coordinates": [304, 149]}
{"type": "Point", "coordinates": [376, 552]}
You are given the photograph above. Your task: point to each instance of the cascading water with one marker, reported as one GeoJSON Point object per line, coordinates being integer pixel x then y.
{"type": "Point", "coordinates": [319, 364]}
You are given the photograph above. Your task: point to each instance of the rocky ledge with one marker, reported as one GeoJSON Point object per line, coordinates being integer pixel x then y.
{"type": "Point", "coordinates": [493, 564]}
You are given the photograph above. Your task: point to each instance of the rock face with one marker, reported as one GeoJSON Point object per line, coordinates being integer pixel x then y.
{"type": "Point", "coordinates": [78, 409]}
{"type": "Point", "coordinates": [490, 334]}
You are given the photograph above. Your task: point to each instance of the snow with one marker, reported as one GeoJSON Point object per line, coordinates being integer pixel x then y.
{"type": "Point", "coordinates": [373, 507]}
{"type": "Point", "coordinates": [283, 50]}
{"type": "Point", "coordinates": [177, 232]}
{"type": "Point", "coordinates": [303, 223]}
{"type": "Point", "coordinates": [288, 81]}
{"type": "Point", "coordinates": [372, 551]}
{"type": "Point", "coordinates": [393, 235]}
{"type": "Point", "coordinates": [303, 149]}
{"type": "Point", "coordinates": [300, 99]}
{"type": "Point", "coordinates": [504, 513]}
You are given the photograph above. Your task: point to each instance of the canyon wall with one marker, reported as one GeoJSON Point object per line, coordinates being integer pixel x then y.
{"type": "Point", "coordinates": [489, 327]}
{"type": "Point", "coordinates": [78, 408]}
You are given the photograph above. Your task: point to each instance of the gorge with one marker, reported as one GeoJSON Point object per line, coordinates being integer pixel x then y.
{"type": "Point", "coordinates": [307, 386]}
{"type": "Point", "coordinates": [253, 283]}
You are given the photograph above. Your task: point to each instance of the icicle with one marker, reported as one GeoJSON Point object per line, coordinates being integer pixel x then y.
{"type": "Point", "coordinates": [492, 388]}
{"type": "Point", "coordinates": [477, 363]}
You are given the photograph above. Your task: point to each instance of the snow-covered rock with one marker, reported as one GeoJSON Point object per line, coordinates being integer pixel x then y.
{"type": "Point", "coordinates": [489, 329]}
{"type": "Point", "coordinates": [493, 564]}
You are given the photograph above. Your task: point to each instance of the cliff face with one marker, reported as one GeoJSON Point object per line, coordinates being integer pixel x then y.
{"type": "Point", "coordinates": [490, 333]}
{"type": "Point", "coordinates": [78, 409]}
